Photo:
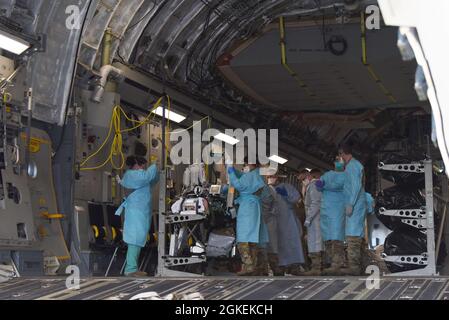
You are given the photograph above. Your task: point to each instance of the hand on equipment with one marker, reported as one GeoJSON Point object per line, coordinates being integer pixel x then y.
{"type": "Point", "coordinates": [118, 179]}
{"type": "Point", "coordinates": [349, 210]}
{"type": "Point", "coordinates": [282, 191]}
{"type": "Point", "coordinates": [307, 223]}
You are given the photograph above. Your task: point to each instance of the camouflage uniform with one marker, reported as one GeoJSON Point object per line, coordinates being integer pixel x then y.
{"type": "Point", "coordinates": [261, 262]}
{"type": "Point", "coordinates": [316, 267]}
{"type": "Point", "coordinates": [354, 257]}
{"type": "Point", "coordinates": [337, 257]}
{"type": "Point", "coordinates": [248, 254]}
{"type": "Point", "coordinates": [370, 258]}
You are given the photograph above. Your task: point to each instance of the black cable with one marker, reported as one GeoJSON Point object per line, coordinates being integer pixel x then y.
{"type": "Point", "coordinates": [237, 19]}
{"type": "Point", "coordinates": [136, 24]}
{"type": "Point", "coordinates": [200, 38]}
{"type": "Point", "coordinates": [143, 18]}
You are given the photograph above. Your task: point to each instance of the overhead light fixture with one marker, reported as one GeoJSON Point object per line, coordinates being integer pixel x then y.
{"type": "Point", "coordinates": [12, 43]}
{"type": "Point", "coordinates": [278, 159]}
{"type": "Point", "coordinates": [226, 138]}
{"type": "Point", "coordinates": [170, 115]}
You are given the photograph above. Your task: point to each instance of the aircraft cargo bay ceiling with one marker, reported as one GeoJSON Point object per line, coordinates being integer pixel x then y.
{"type": "Point", "coordinates": [229, 54]}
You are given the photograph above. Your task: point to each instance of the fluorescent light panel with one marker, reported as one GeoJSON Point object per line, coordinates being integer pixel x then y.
{"type": "Point", "coordinates": [13, 44]}
{"type": "Point", "coordinates": [225, 138]}
{"type": "Point", "coordinates": [278, 159]}
{"type": "Point", "coordinates": [172, 116]}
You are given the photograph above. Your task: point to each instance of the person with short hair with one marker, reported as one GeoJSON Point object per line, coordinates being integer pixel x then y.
{"type": "Point", "coordinates": [137, 209]}
{"type": "Point", "coordinates": [355, 209]}
{"type": "Point", "coordinates": [332, 216]}
{"type": "Point", "coordinates": [285, 251]}
{"type": "Point", "coordinates": [251, 230]}
{"type": "Point", "coordinates": [312, 204]}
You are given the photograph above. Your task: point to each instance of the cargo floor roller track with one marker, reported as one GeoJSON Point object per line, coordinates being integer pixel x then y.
{"type": "Point", "coordinates": [290, 288]}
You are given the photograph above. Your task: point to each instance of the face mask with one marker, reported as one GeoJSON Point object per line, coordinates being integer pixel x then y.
{"type": "Point", "coordinates": [246, 169]}
{"type": "Point", "coordinates": [339, 166]}
{"type": "Point", "coordinates": [272, 181]}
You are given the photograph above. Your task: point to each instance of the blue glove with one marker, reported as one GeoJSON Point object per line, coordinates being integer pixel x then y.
{"type": "Point", "coordinates": [319, 185]}
{"type": "Point", "coordinates": [282, 191]}
{"type": "Point", "coordinates": [231, 170]}
{"type": "Point", "coordinates": [349, 211]}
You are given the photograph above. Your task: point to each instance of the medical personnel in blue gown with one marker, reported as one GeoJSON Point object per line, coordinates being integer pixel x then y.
{"type": "Point", "coordinates": [288, 233]}
{"type": "Point", "coordinates": [333, 216]}
{"type": "Point", "coordinates": [137, 208]}
{"type": "Point", "coordinates": [251, 230]}
{"type": "Point", "coordinates": [355, 209]}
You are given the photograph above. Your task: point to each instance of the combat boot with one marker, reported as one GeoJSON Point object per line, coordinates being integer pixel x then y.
{"type": "Point", "coordinates": [337, 259]}
{"type": "Point", "coordinates": [328, 246]}
{"type": "Point", "coordinates": [354, 257]}
{"type": "Point", "coordinates": [137, 274]}
{"type": "Point", "coordinates": [316, 266]}
{"type": "Point", "coordinates": [247, 254]}
{"type": "Point", "coordinates": [295, 270]}
{"type": "Point", "coordinates": [261, 262]}
{"type": "Point", "coordinates": [273, 261]}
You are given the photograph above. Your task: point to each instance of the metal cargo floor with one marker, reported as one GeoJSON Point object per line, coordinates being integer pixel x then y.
{"type": "Point", "coordinates": [230, 288]}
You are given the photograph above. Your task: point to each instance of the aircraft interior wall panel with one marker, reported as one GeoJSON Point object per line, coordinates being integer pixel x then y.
{"type": "Point", "coordinates": [30, 201]}
{"type": "Point", "coordinates": [43, 199]}
{"type": "Point", "coordinates": [96, 185]}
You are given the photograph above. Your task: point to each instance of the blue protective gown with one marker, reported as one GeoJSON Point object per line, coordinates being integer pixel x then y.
{"type": "Point", "coordinates": [137, 205]}
{"type": "Point", "coordinates": [312, 203]}
{"type": "Point", "coordinates": [250, 226]}
{"type": "Point", "coordinates": [290, 250]}
{"type": "Point", "coordinates": [369, 203]}
{"type": "Point", "coordinates": [354, 192]}
{"type": "Point", "coordinates": [333, 206]}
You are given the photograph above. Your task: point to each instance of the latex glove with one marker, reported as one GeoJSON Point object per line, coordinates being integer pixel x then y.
{"type": "Point", "coordinates": [231, 170]}
{"type": "Point", "coordinates": [307, 223]}
{"type": "Point", "coordinates": [349, 210]}
{"type": "Point", "coordinates": [118, 179]}
{"type": "Point", "coordinates": [319, 185]}
{"type": "Point", "coordinates": [282, 191]}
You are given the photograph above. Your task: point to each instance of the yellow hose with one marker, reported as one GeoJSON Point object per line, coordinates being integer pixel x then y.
{"type": "Point", "coordinates": [368, 66]}
{"type": "Point", "coordinates": [284, 61]}
{"type": "Point", "coordinates": [117, 141]}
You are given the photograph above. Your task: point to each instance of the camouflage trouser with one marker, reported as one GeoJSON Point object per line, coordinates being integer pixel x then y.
{"type": "Point", "coordinates": [336, 253]}
{"type": "Point", "coordinates": [261, 261]}
{"type": "Point", "coordinates": [370, 258]}
{"type": "Point", "coordinates": [354, 255]}
{"type": "Point", "coordinates": [327, 253]}
{"type": "Point", "coordinates": [317, 264]}
{"type": "Point", "coordinates": [248, 254]}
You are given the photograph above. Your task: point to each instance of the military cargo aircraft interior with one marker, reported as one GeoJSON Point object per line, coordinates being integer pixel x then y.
{"type": "Point", "coordinates": [223, 149]}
